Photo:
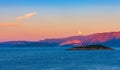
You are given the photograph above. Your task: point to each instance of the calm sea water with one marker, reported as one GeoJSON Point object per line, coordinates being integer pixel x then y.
{"type": "Point", "coordinates": [56, 58]}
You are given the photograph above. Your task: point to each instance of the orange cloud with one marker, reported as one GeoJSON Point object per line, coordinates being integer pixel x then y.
{"type": "Point", "coordinates": [9, 24]}
{"type": "Point", "coordinates": [26, 16]}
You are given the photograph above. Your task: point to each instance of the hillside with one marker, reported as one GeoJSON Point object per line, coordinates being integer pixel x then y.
{"type": "Point", "coordinates": [107, 38]}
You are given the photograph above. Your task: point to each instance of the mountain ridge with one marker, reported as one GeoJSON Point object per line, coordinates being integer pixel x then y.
{"type": "Point", "coordinates": [106, 38]}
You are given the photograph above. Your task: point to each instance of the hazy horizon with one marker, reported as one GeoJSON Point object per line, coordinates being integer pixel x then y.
{"type": "Point", "coordinates": [58, 37]}
{"type": "Point", "coordinates": [34, 20]}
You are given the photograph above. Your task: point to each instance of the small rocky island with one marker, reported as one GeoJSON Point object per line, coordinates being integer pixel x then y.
{"type": "Point", "coordinates": [91, 47]}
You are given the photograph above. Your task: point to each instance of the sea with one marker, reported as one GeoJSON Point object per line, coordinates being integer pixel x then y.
{"type": "Point", "coordinates": [58, 58]}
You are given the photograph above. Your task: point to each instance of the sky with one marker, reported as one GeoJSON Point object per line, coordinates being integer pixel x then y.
{"type": "Point", "coordinates": [39, 19]}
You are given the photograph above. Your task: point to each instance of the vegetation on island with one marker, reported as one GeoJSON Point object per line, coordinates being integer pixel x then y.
{"type": "Point", "coordinates": [91, 47]}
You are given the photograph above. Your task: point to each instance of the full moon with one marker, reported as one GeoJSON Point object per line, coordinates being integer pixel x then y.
{"type": "Point", "coordinates": [79, 33]}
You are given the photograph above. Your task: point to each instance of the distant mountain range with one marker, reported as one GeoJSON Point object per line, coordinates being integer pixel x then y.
{"type": "Point", "coordinates": [107, 38]}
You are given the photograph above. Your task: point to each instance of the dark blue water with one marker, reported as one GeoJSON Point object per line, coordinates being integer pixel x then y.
{"type": "Point", "coordinates": [58, 59]}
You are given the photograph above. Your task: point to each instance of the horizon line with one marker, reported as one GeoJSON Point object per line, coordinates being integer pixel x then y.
{"type": "Point", "coordinates": [57, 37]}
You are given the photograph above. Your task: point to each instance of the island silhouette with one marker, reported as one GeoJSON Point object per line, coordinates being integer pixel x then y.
{"type": "Point", "coordinates": [91, 47]}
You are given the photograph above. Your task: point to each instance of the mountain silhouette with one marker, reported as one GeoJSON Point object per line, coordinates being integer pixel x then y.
{"type": "Point", "coordinates": [107, 38]}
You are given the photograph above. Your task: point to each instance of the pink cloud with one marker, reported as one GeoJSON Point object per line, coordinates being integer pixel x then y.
{"type": "Point", "coordinates": [26, 16]}
{"type": "Point", "coordinates": [9, 24]}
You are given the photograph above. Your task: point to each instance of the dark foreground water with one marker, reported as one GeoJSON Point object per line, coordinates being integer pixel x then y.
{"type": "Point", "coordinates": [57, 59]}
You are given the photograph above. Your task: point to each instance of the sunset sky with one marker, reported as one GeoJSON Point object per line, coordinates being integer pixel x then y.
{"type": "Point", "coordinates": [40, 19]}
